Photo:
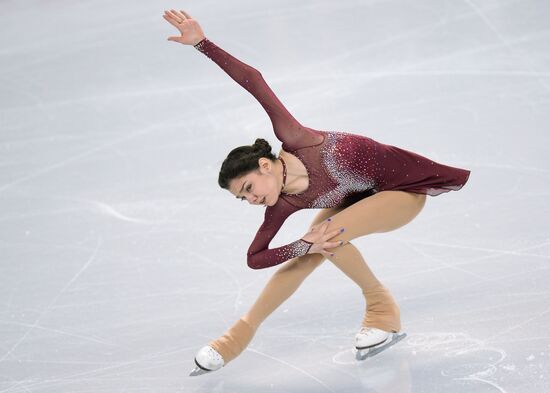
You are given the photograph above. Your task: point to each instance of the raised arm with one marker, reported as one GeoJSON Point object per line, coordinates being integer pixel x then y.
{"type": "Point", "coordinates": [287, 129]}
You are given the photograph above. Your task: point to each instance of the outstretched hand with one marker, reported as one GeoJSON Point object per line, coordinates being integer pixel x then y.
{"type": "Point", "coordinates": [319, 238]}
{"type": "Point", "coordinates": [191, 32]}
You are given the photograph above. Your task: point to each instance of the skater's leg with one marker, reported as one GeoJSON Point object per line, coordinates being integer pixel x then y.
{"type": "Point", "coordinates": [281, 285]}
{"type": "Point", "coordinates": [383, 312]}
{"type": "Point", "coordinates": [382, 212]}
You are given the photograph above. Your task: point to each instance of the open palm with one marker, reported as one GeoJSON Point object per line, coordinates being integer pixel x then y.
{"type": "Point", "coordinates": [191, 32]}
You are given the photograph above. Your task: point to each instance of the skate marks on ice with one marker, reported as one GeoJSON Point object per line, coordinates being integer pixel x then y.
{"type": "Point", "coordinates": [300, 370]}
{"type": "Point", "coordinates": [461, 357]}
{"type": "Point", "coordinates": [387, 372]}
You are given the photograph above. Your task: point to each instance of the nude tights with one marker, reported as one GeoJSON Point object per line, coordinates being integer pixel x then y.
{"type": "Point", "coordinates": [382, 312]}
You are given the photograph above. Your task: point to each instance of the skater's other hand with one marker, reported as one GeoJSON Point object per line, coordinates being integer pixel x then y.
{"type": "Point", "coordinates": [191, 32]}
{"type": "Point", "coordinates": [318, 236]}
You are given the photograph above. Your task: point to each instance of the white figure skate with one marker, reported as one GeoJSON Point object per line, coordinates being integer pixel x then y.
{"type": "Point", "coordinates": [207, 360]}
{"type": "Point", "coordinates": [372, 341]}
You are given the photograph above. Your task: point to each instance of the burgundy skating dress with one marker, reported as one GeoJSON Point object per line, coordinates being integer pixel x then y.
{"type": "Point", "coordinates": [342, 167]}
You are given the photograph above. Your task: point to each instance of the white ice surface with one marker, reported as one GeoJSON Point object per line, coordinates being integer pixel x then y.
{"type": "Point", "coordinates": [120, 256]}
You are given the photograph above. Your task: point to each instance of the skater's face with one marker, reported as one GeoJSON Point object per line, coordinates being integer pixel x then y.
{"type": "Point", "coordinates": [259, 187]}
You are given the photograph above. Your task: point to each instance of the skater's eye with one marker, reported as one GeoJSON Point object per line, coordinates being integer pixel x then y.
{"type": "Point", "coordinates": [248, 188]}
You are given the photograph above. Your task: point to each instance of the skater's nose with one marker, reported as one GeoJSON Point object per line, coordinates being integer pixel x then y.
{"type": "Point", "coordinates": [253, 199]}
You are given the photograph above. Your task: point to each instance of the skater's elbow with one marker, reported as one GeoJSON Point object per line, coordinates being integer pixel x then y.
{"type": "Point", "coordinates": [253, 263]}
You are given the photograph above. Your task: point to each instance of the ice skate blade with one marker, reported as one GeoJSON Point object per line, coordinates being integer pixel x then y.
{"type": "Point", "coordinates": [198, 370]}
{"type": "Point", "coordinates": [394, 338]}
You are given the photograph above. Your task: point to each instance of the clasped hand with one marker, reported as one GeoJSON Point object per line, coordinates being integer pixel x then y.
{"type": "Point", "coordinates": [319, 238]}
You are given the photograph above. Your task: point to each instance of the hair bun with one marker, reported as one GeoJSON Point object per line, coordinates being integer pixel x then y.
{"type": "Point", "coordinates": [262, 145]}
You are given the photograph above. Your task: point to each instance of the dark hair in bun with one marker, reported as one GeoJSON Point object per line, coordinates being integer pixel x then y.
{"type": "Point", "coordinates": [242, 160]}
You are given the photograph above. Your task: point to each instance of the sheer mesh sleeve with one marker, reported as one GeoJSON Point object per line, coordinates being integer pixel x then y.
{"type": "Point", "coordinates": [259, 256]}
{"type": "Point", "coordinates": [287, 129]}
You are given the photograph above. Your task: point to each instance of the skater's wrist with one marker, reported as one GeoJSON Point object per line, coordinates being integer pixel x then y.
{"type": "Point", "coordinates": [308, 245]}
{"type": "Point", "coordinates": [201, 41]}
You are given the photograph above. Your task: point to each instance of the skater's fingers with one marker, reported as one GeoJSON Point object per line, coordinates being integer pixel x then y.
{"type": "Point", "coordinates": [179, 15]}
{"type": "Point", "coordinates": [174, 19]}
{"type": "Point", "coordinates": [176, 39]}
{"type": "Point", "coordinates": [314, 228]}
{"type": "Point", "coordinates": [172, 16]}
{"type": "Point", "coordinates": [332, 234]}
{"type": "Point", "coordinates": [168, 16]}
{"type": "Point", "coordinates": [324, 226]}
{"type": "Point", "coordinates": [186, 14]}
{"type": "Point", "coordinates": [171, 20]}
{"type": "Point", "coordinates": [334, 244]}
{"type": "Point", "coordinates": [319, 228]}
{"type": "Point", "coordinates": [331, 245]}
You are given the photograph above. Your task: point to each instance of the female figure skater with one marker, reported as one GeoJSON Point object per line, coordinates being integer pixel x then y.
{"type": "Point", "coordinates": [361, 185]}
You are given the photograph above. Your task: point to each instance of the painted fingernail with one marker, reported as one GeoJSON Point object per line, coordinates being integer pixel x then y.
{"type": "Point", "coordinates": [342, 230]}
{"type": "Point", "coordinates": [329, 219]}
{"type": "Point", "coordinates": [332, 254]}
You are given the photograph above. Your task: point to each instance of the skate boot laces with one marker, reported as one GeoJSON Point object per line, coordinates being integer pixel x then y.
{"type": "Point", "coordinates": [369, 337]}
{"type": "Point", "coordinates": [368, 331]}
{"type": "Point", "coordinates": [209, 359]}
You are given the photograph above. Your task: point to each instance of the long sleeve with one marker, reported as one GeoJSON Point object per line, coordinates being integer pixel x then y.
{"type": "Point", "coordinates": [287, 129]}
{"type": "Point", "coordinates": [259, 256]}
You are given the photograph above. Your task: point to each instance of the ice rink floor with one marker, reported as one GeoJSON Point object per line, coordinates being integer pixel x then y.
{"type": "Point", "coordinates": [120, 256]}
